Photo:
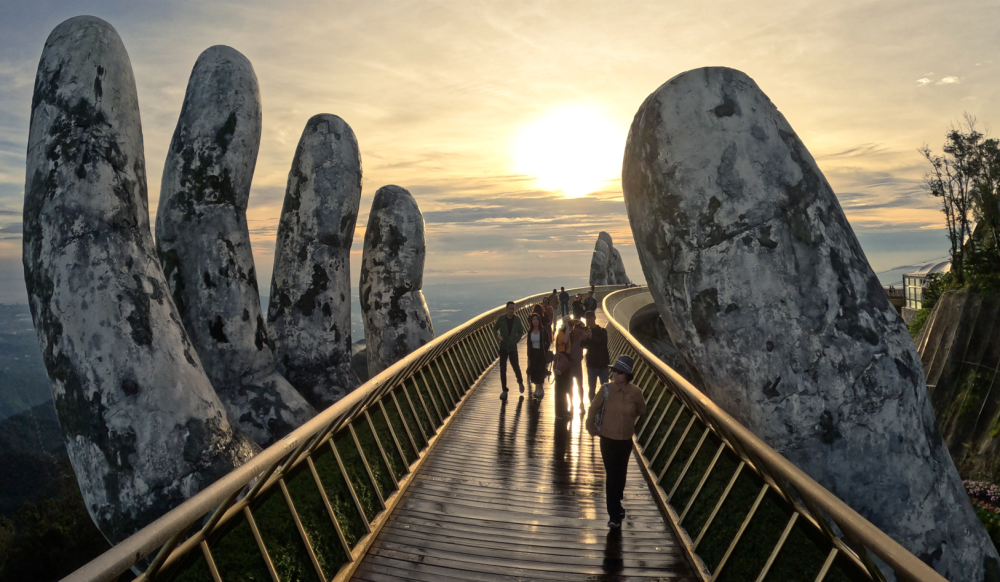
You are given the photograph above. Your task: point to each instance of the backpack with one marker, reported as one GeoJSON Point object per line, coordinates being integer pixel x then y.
{"type": "Point", "coordinates": [606, 389]}
{"type": "Point", "coordinates": [562, 363]}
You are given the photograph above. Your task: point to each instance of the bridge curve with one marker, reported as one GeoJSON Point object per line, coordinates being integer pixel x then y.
{"type": "Point", "coordinates": [423, 474]}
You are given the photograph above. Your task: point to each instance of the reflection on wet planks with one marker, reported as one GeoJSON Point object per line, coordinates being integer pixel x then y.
{"type": "Point", "coordinates": [512, 493]}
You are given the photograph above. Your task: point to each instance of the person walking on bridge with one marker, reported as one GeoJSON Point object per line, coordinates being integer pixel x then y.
{"type": "Point", "coordinates": [564, 301]}
{"type": "Point", "coordinates": [597, 357]}
{"type": "Point", "coordinates": [553, 300]}
{"type": "Point", "coordinates": [539, 340]}
{"type": "Point", "coordinates": [619, 403]}
{"type": "Point", "coordinates": [578, 334]}
{"type": "Point", "coordinates": [590, 303]}
{"type": "Point", "coordinates": [510, 330]}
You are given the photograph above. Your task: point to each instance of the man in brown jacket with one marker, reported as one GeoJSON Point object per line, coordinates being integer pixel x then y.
{"type": "Point", "coordinates": [620, 405]}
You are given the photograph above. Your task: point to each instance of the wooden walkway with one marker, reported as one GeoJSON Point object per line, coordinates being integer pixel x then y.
{"type": "Point", "coordinates": [510, 493]}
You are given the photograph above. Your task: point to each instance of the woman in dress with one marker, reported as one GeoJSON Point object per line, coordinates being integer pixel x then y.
{"type": "Point", "coordinates": [539, 340]}
{"type": "Point", "coordinates": [621, 407]}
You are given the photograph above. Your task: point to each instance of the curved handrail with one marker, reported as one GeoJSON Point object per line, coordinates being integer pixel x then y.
{"type": "Point", "coordinates": [460, 359]}
{"type": "Point", "coordinates": [807, 497]}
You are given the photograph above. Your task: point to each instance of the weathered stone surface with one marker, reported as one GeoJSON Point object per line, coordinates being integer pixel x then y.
{"type": "Point", "coordinates": [616, 268]}
{"type": "Point", "coordinates": [603, 236]}
{"type": "Point", "coordinates": [393, 309]}
{"type": "Point", "coordinates": [143, 427]}
{"type": "Point", "coordinates": [606, 266]}
{"type": "Point", "coordinates": [309, 315]}
{"type": "Point", "coordinates": [204, 244]}
{"type": "Point", "coordinates": [599, 263]}
{"type": "Point", "coordinates": [765, 290]}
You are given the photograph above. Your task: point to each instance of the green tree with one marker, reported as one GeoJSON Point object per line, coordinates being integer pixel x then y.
{"type": "Point", "coordinates": [966, 178]}
{"type": "Point", "coordinates": [953, 179]}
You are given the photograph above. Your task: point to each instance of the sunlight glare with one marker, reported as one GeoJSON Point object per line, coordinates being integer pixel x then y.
{"type": "Point", "coordinates": [575, 150]}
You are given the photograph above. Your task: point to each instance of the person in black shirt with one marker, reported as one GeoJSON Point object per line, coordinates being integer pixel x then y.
{"type": "Point", "coordinates": [578, 309]}
{"type": "Point", "coordinates": [590, 303]}
{"type": "Point", "coordinates": [596, 344]}
{"type": "Point", "coordinates": [564, 301]}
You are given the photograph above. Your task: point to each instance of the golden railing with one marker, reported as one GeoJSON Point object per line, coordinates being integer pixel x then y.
{"type": "Point", "coordinates": [742, 511]}
{"type": "Point", "coordinates": [309, 506]}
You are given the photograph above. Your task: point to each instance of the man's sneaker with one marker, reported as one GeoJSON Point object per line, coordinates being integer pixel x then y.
{"type": "Point", "coordinates": [520, 386]}
{"type": "Point", "coordinates": [503, 396]}
{"type": "Point", "coordinates": [622, 515]}
{"type": "Point", "coordinates": [612, 524]}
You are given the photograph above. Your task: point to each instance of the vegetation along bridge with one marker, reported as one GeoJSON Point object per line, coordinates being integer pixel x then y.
{"type": "Point", "coordinates": [423, 474]}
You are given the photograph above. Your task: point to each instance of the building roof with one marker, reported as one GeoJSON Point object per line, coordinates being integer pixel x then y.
{"type": "Point", "coordinates": [942, 267]}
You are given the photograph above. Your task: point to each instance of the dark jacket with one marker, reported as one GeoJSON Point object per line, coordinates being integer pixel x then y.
{"type": "Point", "coordinates": [597, 348]}
{"type": "Point", "coordinates": [509, 339]}
{"type": "Point", "coordinates": [564, 297]}
{"type": "Point", "coordinates": [590, 304]}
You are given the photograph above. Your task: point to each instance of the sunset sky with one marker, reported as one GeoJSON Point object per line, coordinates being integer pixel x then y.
{"type": "Point", "coordinates": [460, 102]}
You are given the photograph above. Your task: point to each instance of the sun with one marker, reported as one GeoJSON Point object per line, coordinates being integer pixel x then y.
{"type": "Point", "coordinates": [575, 150]}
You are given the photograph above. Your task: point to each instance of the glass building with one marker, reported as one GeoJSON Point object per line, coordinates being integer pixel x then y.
{"type": "Point", "coordinates": [913, 283]}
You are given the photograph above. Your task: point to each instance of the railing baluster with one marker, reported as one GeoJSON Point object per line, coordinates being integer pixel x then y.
{"type": "Point", "coordinates": [406, 428]}
{"type": "Point", "coordinates": [688, 464]}
{"type": "Point", "coordinates": [648, 437]}
{"type": "Point", "coordinates": [652, 409]}
{"type": "Point", "coordinates": [677, 448]}
{"type": "Point", "coordinates": [368, 469]}
{"type": "Point", "coordinates": [435, 407]}
{"type": "Point", "coordinates": [310, 551]}
{"type": "Point", "coordinates": [777, 548]}
{"type": "Point", "coordinates": [450, 376]}
{"type": "Point", "coordinates": [826, 565]}
{"type": "Point", "coordinates": [464, 359]}
{"type": "Point", "coordinates": [448, 364]}
{"type": "Point", "coordinates": [161, 556]}
{"type": "Point", "coordinates": [381, 450]}
{"type": "Point", "coordinates": [423, 406]}
{"type": "Point", "coordinates": [210, 562]}
{"type": "Point", "coordinates": [260, 544]}
{"type": "Point", "coordinates": [350, 487]}
{"type": "Point", "coordinates": [487, 346]}
{"type": "Point", "coordinates": [666, 435]}
{"type": "Point", "coordinates": [739, 532]}
{"type": "Point", "coordinates": [704, 478]}
{"type": "Point", "coordinates": [329, 509]}
{"type": "Point", "coordinates": [464, 377]}
{"type": "Point", "coordinates": [416, 419]}
{"type": "Point", "coordinates": [477, 351]}
{"type": "Point", "coordinates": [395, 437]}
{"type": "Point", "coordinates": [443, 384]}
{"type": "Point", "coordinates": [718, 505]}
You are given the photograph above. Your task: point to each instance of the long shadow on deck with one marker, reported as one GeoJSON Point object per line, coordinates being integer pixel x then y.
{"type": "Point", "coordinates": [512, 493]}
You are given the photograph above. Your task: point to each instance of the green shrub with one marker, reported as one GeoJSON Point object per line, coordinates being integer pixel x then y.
{"type": "Point", "coordinates": [918, 322]}
{"type": "Point", "coordinates": [992, 523]}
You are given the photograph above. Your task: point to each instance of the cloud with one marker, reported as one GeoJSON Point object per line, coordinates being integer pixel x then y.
{"type": "Point", "coordinates": [865, 149]}
{"type": "Point", "coordinates": [922, 82]}
{"type": "Point", "coordinates": [949, 81]}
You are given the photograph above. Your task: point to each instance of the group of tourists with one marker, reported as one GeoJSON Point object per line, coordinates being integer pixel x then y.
{"type": "Point", "coordinates": [579, 340]}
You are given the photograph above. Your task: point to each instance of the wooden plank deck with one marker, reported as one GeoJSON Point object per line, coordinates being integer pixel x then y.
{"type": "Point", "coordinates": [510, 493]}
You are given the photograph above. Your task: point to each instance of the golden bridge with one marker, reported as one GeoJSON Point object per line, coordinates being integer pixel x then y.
{"type": "Point", "coordinates": [423, 474]}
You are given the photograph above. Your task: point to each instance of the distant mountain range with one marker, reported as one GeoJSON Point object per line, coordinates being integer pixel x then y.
{"type": "Point", "coordinates": [23, 381]}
